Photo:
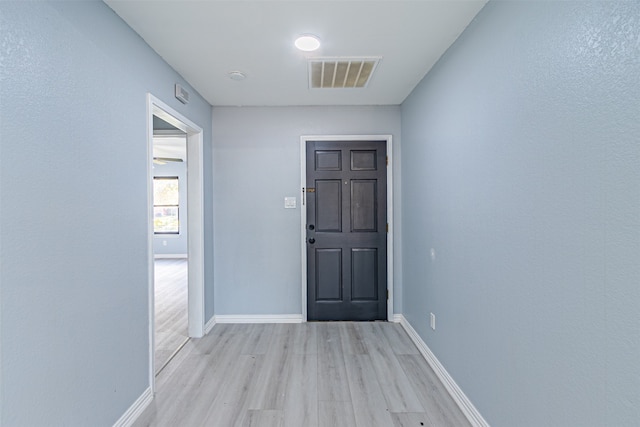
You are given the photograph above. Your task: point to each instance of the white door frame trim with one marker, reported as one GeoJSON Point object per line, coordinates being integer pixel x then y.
{"type": "Point", "coordinates": [303, 208]}
{"type": "Point", "coordinates": [195, 220]}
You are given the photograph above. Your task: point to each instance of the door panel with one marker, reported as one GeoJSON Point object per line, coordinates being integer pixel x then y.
{"type": "Point", "coordinates": [364, 209]}
{"type": "Point", "coordinates": [328, 160]}
{"type": "Point", "coordinates": [364, 274]}
{"type": "Point", "coordinates": [346, 230]}
{"type": "Point", "coordinates": [363, 160]}
{"type": "Point", "coordinates": [329, 205]}
{"type": "Point", "coordinates": [329, 274]}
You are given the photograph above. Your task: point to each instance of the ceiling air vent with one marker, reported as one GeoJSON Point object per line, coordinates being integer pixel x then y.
{"type": "Point", "coordinates": [328, 73]}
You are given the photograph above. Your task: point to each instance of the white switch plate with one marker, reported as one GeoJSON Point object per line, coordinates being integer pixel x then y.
{"type": "Point", "coordinates": [432, 321]}
{"type": "Point", "coordinates": [289, 202]}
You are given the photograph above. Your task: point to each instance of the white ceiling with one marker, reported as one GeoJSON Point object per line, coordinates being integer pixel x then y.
{"type": "Point", "coordinates": [205, 40]}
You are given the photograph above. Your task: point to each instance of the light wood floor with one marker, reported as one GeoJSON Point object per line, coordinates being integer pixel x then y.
{"type": "Point", "coordinates": [333, 374]}
{"type": "Point", "coordinates": [171, 308]}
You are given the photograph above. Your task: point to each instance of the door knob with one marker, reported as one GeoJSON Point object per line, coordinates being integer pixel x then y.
{"type": "Point", "coordinates": [312, 241]}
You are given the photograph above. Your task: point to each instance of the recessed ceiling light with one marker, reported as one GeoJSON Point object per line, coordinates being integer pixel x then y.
{"type": "Point", "coordinates": [307, 43]}
{"type": "Point", "coordinates": [237, 75]}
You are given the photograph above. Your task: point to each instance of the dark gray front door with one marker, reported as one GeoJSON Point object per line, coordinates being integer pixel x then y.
{"type": "Point", "coordinates": [346, 197]}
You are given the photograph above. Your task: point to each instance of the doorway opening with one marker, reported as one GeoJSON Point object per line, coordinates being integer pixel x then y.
{"type": "Point", "coordinates": [178, 150]}
{"type": "Point", "coordinates": [170, 241]}
{"type": "Point", "coordinates": [342, 274]}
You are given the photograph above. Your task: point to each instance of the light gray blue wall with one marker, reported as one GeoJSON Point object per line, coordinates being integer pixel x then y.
{"type": "Point", "coordinates": [176, 244]}
{"type": "Point", "coordinates": [521, 168]}
{"type": "Point", "coordinates": [256, 164]}
{"type": "Point", "coordinates": [74, 305]}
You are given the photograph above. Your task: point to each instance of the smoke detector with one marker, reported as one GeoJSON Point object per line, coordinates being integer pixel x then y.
{"type": "Point", "coordinates": [237, 75]}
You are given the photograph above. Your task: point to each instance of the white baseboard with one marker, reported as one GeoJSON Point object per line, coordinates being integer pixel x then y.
{"type": "Point", "coordinates": [170, 256]}
{"type": "Point", "coordinates": [209, 325]}
{"type": "Point", "coordinates": [131, 415]}
{"type": "Point", "coordinates": [467, 408]}
{"type": "Point", "coordinates": [258, 318]}
{"type": "Point", "coordinates": [397, 318]}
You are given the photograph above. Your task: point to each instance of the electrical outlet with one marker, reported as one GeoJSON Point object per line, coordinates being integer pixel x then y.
{"type": "Point", "coordinates": [433, 254]}
{"type": "Point", "coordinates": [432, 321]}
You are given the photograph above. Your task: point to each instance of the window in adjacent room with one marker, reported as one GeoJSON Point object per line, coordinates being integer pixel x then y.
{"type": "Point", "coordinates": [165, 205]}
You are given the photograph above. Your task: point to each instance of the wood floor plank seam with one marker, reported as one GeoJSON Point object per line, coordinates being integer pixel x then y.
{"type": "Point", "coordinates": [325, 374]}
